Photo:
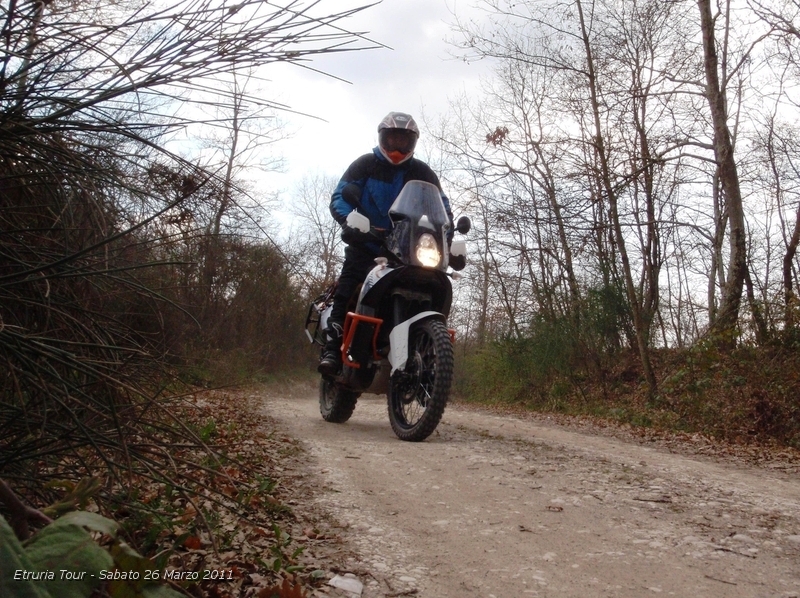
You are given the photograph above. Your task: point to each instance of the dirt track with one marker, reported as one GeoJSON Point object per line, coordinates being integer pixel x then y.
{"type": "Point", "coordinates": [496, 506]}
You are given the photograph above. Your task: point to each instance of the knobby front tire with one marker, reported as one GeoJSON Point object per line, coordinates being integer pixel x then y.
{"type": "Point", "coordinates": [335, 403]}
{"type": "Point", "coordinates": [419, 394]}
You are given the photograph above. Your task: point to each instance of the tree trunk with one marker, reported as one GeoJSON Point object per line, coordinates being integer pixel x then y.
{"type": "Point", "coordinates": [760, 324]}
{"type": "Point", "coordinates": [790, 298]}
{"type": "Point", "coordinates": [724, 326]}
{"type": "Point", "coordinates": [641, 329]}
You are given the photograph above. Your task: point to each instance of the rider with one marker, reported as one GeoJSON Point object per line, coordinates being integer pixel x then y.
{"type": "Point", "coordinates": [371, 184]}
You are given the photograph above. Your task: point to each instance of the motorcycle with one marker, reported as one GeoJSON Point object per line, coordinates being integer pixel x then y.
{"type": "Point", "coordinates": [396, 340]}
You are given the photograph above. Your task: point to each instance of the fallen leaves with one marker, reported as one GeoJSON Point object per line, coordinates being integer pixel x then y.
{"type": "Point", "coordinates": [522, 528]}
{"type": "Point", "coordinates": [226, 517]}
{"type": "Point", "coordinates": [285, 590]}
{"type": "Point", "coordinates": [193, 543]}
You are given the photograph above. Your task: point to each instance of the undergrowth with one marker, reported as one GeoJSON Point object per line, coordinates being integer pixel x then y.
{"type": "Point", "coordinates": [213, 515]}
{"type": "Point", "coordinates": [748, 395]}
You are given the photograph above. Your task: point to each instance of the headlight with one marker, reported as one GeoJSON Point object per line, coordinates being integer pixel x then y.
{"type": "Point", "coordinates": [428, 251]}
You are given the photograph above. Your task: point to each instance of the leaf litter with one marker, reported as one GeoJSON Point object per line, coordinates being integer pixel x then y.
{"type": "Point", "coordinates": [243, 532]}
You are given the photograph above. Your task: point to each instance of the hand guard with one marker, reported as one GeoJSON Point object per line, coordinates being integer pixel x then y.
{"type": "Point", "coordinates": [458, 262]}
{"type": "Point", "coordinates": [353, 236]}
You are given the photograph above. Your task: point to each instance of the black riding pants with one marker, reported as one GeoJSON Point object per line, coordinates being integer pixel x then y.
{"type": "Point", "coordinates": [357, 264]}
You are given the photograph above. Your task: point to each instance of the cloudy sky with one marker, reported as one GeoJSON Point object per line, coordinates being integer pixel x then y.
{"type": "Point", "coordinates": [418, 73]}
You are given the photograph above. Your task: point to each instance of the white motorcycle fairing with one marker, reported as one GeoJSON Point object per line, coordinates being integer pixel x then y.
{"type": "Point", "coordinates": [398, 339]}
{"type": "Point", "coordinates": [379, 271]}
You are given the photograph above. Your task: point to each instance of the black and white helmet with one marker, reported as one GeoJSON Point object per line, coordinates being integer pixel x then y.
{"type": "Point", "coordinates": [397, 137]}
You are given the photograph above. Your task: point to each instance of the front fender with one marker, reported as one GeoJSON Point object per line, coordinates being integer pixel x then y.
{"type": "Point", "coordinates": [398, 338]}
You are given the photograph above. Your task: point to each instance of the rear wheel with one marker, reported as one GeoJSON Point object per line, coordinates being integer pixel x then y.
{"type": "Point", "coordinates": [419, 394]}
{"type": "Point", "coordinates": [335, 403]}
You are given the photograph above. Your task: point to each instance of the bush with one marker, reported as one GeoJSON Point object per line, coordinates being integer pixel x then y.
{"type": "Point", "coordinates": [536, 367]}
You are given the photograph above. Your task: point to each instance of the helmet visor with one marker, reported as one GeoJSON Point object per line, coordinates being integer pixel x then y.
{"type": "Point", "coordinates": [397, 140]}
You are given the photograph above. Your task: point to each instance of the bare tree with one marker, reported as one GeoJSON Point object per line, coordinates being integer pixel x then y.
{"type": "Point", "coordinates": [315, 236]}
{"type": "Point", "coordinates": [715, 92]}
{"type": "Point", "coordinates": [240, 137]}
{"type": "Point", "coordinates": [591, 141]}
{"type": "Point", "coordinates": [779, 141]}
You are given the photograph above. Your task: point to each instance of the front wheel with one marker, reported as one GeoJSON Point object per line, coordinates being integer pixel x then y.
{"type": "Point", "coordinates": [335, 403]}
{"type": "Point", "coordinates": [418, 394]}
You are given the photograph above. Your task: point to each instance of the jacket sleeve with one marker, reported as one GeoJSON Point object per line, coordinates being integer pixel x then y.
{"type": "Point", "coordinates": [339, 207]}
{"type": "Point", "coordinates": [357, 173]}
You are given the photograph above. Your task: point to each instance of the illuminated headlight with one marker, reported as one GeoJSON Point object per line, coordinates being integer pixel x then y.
{"type": "Point", "coordinates": [427, 251]}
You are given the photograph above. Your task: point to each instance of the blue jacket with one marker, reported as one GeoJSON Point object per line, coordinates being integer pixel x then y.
{"type": "Point", "coordinates": [380, 182]}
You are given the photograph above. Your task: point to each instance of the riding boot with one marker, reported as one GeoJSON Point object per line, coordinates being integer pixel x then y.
{"type": "Point", "coordinates": [331, 361]}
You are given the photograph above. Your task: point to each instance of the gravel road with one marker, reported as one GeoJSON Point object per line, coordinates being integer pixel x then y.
{"type": "Point", "coordinates": [496, 506]}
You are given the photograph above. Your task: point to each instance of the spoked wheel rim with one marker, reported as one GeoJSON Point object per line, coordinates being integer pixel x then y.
{"type": "Point", "coordinates": [328, 393]}
{"type": "Point", "coordinates": [418, 394]}
{"type": "Point", "coordinates": [418, 383]}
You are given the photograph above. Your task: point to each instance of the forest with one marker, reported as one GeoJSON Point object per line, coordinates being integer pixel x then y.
{"type": "Point", "coordinates": [632, 171]}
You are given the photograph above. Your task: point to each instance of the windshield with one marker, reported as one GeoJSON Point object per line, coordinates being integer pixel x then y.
{"type": "Point", "coordinates": [418, 199]}
{"type": "Point", "coordinates": [417, 213]}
